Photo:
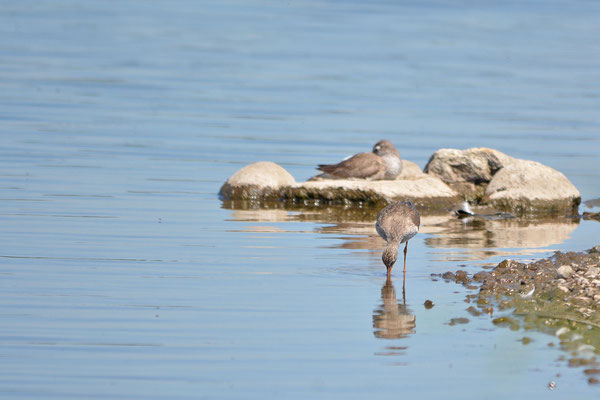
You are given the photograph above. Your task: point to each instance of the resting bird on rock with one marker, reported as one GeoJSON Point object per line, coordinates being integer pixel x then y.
{"type": "Point", "coordinates": [396, 224]}
{"type": "Point", "coordinates": [382, 163]}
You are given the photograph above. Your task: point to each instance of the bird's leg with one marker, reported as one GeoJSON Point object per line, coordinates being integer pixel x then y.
{"type": "Point", "coordinates": [404, 290]}
{"type": "Point", "coordinates": [405, 247]}
{"type": "Point", "coordinates": [389, 274]}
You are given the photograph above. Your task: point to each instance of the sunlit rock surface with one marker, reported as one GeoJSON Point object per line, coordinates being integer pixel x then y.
{"type": "Point", "coordinates": [525, 187]}
{"type": "Point", "coordinates": [261, 180]}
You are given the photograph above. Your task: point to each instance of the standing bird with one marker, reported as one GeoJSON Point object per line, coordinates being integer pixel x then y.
{"type": "Point", "coordinates": [396, 224]}
{"type": "Point", "coordinates": [383, 162]}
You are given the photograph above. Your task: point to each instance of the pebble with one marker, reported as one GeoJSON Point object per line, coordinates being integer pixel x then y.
{"type": "Point", "coordinates": [561, 331]}
{"type": "Point", "coordinates": [563, 289]}
{"type": "Point", "coordinates": [428, 304]}
{"type": "Point", "coordinates": [592, 272]}
{"type": "Point", "coordinates": [565, 271]}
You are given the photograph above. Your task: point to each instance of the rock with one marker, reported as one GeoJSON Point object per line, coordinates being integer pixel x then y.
{"type": "Point", "coordinates": [481, 276]}
{"type": "Point", "coordinates": [410, 170]}
{"type": "Point", "coordinates": [262, 180]}
{"type": "Point", "coordinates": [565, 271]}
{"type": "Point", "coordinates": [448, 275]}
{"type": "Point", "coordinates": [592, 272]}
{"type": "Point", "coordinates": [466, 171]}
{"type": "Point", "coordinates": [563, 289]}
{"type": "Point", "coordinates": [427, 192]}
{"type": "Point", "coordinates": [528, 187]}
{"type": "Point", "coordinates": [457, 321]}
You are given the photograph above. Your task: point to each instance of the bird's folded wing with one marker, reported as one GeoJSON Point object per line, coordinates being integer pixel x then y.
{"type": "Point", "coordinates": [361, 165]}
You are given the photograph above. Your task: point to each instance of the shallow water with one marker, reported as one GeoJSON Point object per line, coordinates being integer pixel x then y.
{"type": "Point", "coordinates": [123, 274]}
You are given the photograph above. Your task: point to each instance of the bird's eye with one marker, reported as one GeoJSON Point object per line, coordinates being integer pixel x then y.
{"type": "Point", "coordinates": [377, 148]}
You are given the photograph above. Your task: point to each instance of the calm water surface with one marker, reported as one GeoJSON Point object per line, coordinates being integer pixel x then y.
{"type": "Point", "coordinates": [124, 276]}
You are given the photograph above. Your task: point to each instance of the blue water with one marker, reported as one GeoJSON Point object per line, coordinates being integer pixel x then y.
{"type": "Point", "coordinates": [122, 275]}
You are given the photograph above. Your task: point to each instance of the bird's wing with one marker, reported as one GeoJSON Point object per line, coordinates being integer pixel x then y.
{"type": "Point", "coordinates": [361, 165]}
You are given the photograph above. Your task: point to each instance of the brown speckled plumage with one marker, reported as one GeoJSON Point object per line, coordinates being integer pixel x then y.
{"type": "Point", "coordinates": [396, 224]}
{"type": "Point", "coordinates": [382, 163]}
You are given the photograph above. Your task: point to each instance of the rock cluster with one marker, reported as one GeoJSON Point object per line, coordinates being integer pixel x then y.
{"type": "Point", "coordinates": [479, 175]}
{"type": "Point", "coordinates": [569, 282]}
{"type": "Point", "coordinates": [490, 177]}
{"type": "Point", "coordinates": [559, 295]}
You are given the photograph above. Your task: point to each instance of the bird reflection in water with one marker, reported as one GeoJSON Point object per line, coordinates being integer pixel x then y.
{"type": "Point", "coordinates": [393, 320]}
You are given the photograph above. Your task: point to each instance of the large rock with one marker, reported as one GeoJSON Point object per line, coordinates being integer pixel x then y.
{"type": "Point", "coordinates": [259, 181]}
{"type": "Point", "coordinates": [467, 171]}
{"type": "Point", "coordinates": [528, 187]}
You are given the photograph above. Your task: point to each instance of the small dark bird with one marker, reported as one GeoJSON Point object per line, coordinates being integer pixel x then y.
{"type": "Point", "coordinates": [396, 224]}
{"type": "Point", "coordinates": [383, 162]}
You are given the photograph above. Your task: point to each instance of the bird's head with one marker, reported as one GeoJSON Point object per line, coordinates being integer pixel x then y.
{"type": "Point", "coordinates": [385, 147]}
{"type": "Point", "coordinates": [389, 256]}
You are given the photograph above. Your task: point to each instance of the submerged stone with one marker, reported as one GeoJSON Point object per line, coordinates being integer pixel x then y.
{"type": "Point", "coordinates": [457, 321]}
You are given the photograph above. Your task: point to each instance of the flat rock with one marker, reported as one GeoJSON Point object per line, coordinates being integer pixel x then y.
{"type": "Point", "coordinates": [529, 187]}
{"type": "Point", "coordinates": [425, 191]}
